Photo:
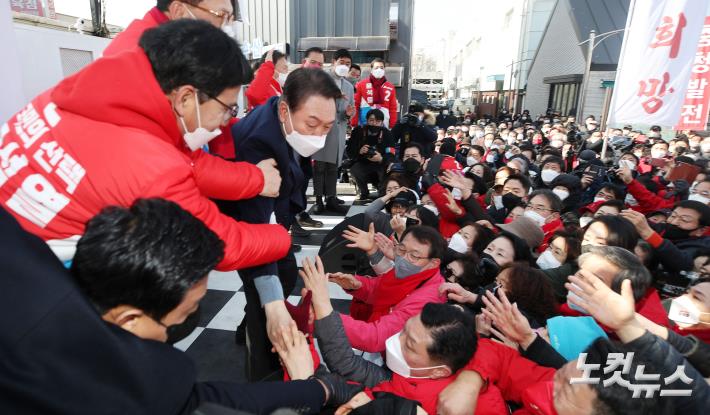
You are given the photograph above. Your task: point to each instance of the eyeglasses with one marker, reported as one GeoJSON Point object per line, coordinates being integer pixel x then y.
{"type": "Point", "coordinates": [224, 15]}
{"type": "Point", "coordinates": [538, 208]}
{"type": "Point", "coordinates": [233, 110]}
{"type": "Point", "coordinates": [400, 250]}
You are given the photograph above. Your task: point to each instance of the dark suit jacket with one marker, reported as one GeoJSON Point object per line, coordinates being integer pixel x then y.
{"type": "Point", "coordinates": [258, 137]}
{"type": "Point", "coordinates": [58, 356]}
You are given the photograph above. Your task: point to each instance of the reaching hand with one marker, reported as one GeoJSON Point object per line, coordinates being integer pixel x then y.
{"type": "Point", "coordinates": [624, 173]}
{"type": "Point", "coordinates": [639, 221]}
{"type": "Point", "coordinates": [364, 149]}
{"type": "Point", "coordinates": [347, 282]}
{"type": "Point", "coordinates": [509, 322]}
{"type": "Point", "coordinates": [277, 318]}
{"type": "Point", "coordinates": [600, 301]}
{"type": "Point", "coordinates": [315, 280]}
{"type": "Point", "coordinates": [461, 396]}
{"type": "Point", "coordinates": [377, 158]}
{"type": "Point", "coordinates": [451, 203]}
{"type": "Point", "coordinates": [357, 401]}
{"type": "Point", "coordinates": [486, 224]}
{"type": "Point", "coordinates": [272, 178]}
{"type": "Point", "coordinates": [269, 56]}
{"type": "Point", "coordinates": [385, 245]}
{"type": "Point", "coordinates": [389, 196]}
{"type": "Point", "coordinates": [294, 352]}
{"type": "Point", "coordinates": [483, 325]}
{"type": "Point", "coordinates": [360, 239]}
{"type": "Point", "coordinates": [398, 224]}
{"type": "Point", "coordinates": [456, 292]}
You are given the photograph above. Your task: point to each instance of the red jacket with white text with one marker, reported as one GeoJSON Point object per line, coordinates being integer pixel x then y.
{"type": "Point", "coordinates": [87, 144]}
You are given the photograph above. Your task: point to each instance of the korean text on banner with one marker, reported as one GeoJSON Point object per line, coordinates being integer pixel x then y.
{"type": "Point", "coordinates": [656, 60]}
{"type": "Point", "coordinates": [694, 113]}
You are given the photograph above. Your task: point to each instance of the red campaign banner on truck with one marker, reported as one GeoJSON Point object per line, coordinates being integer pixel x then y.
{"type": "Point", "coordinates": [694, 113]}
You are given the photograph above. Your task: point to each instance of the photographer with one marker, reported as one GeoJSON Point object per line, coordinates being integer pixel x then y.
{"type": "Point", "coordinates": [411, 128]}
{"type": "Point", "coordinates": [371, 148]}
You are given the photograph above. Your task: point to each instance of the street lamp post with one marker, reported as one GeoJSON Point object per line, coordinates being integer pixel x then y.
{"type": "Point", "coordinates": [593, 43]}
{"type": "Point", "coordinates": [510, 84]}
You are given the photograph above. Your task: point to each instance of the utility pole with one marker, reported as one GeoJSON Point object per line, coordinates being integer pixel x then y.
{"type": "Point", "coordinates": [585, 79]}
{"type": "Point", "coordinates": [98, 18]}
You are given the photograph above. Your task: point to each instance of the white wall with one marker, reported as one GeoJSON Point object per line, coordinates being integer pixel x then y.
{"type": "Point", "coordinates": [558, 55]}
{"type": "Point", "coordinates": [13, 96]}
{"type": "Point", "coordinates": [39, 58]}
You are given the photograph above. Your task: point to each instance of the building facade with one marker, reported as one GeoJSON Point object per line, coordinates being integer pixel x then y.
{"type": "Point", "coordinates": [557, 73]}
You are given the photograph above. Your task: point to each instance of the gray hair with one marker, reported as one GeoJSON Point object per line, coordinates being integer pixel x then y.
{"type": "Point", "coordinates": [629, 264]}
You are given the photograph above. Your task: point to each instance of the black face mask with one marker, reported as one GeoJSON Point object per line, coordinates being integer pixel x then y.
{"type": "Point", "coordinates": [586, 248]}
{"type": "Point", "coordinates": [411, 222]}
{"type": "Point", "coordinates": [674, 233]}
{"type": "Point", "coordinates": [373, 131]}
{"type": "Point", "coordinates": [510, 201]}
{"type": "Point", "coordinates": [489, 267]}
{"type": "Point", "coordinates": [411, 166]}
{"type": "Point", "coordinates": [177, 332]}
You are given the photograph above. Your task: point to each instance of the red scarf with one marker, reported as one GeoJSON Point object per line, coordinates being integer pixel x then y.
{"type": "Point", "coordinates": [390, 291]}
{"type": "Point", "coordinates": [549, 229]}
{"type": "Point", "coordinates": [377, 89]}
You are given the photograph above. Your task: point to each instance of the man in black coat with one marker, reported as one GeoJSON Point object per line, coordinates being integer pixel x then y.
{"type": "Point", "coordinates": [411, 128]}
{"type": "Point", "coordinates": [60, 355]}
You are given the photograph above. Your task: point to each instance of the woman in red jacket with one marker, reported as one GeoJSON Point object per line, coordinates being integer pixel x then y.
{"type": "Point", "coordinates": [269, 78]}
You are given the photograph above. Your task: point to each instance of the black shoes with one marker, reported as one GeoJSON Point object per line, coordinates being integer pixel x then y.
{"type": "Point", "coordinates": [297, 230]}
{"type": "Point", "coordinates": [332, 205]}
{"type": "Point", "coordinates": [304, 219]}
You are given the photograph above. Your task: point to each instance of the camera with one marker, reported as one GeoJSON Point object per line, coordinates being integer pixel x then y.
{"type": "Point", "coordinates": [370, 152]}
{"type": "Point", "coordinates": [410, 119]}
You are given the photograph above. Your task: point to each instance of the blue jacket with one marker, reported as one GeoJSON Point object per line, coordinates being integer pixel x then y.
{"type": "Point", "coordinates": [258, 137]}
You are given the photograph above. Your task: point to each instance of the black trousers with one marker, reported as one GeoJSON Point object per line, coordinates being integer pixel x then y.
{"type": "Point", "coordinates": [261, 364]}
{"type": "Point", "coordinates": [365, 172]}
{"type": "Point", "coordinates": [307, 173]}
{"type": "Point", "coordinates": [325, 178]}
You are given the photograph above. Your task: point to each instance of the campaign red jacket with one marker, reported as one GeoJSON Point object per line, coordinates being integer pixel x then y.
{"type": "Point", "coordinates": [447, 219]}
{"type": "Point", "coordinates": [225, 179]}
{"type": "Point", "coordinates": [647, 201]}
{"type": "Point", "coordinates": [87, 144]}
{"type": "Point", "coordinates": [364, 98]}
{"type": "Point", "coordinates": [264, 86]}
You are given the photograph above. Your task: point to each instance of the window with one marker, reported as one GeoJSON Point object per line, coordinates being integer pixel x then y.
{"type": "Point", "coordinates": [563, 97]}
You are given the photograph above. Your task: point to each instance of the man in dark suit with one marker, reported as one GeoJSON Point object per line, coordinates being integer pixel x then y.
{"type": "Point", "coordinates": [66, 353]}
{"type": "Point", "coordinates": [295, 124]}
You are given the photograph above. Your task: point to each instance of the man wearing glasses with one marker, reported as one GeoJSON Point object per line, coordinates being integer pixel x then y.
{"type": "Point", "coordinates": [544, 208]}
{"type": "Point", "coordinates": [676, 241]}
{"type": "Point", "coordinates": [407, 279]}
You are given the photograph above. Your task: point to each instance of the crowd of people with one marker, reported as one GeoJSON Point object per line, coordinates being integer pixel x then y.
{"type": "Point", "coordinates": [511, 263]}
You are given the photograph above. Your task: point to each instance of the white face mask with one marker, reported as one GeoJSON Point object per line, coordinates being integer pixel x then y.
{"type": "Point", "coordinates": [498, 202]}
{"type": "Point", "coordinates": [458, 244]}
{"type": "Point", "coordinates": [548, 175]}
{"type": "Point", "coordinates": [397, 364]}
{"type": "Point", "coordinates": [229, 30]}
{"type": "Point", "coordinates": [570, 294]}
{"type": "Point", "coordinates": [378, 73]}
{"type": "Point", "coordinates": [585, 220]}
{"type": "Point", "coordinates": [658, 154]}
{"type": "Point", "coordinates": [705, 147]}
{"type": "Point", "coordinates": [509, 155]}
{"type": "Point", "coordinates": [470, 161]}
{"type": "Point", "coordinates": [490, 158]}
{"type": "Point", "coordinates": [562, 194]}
{"type": "Point", "coordinates": [432, 209]}
{"type": "Point", "coordinates": [479, 134]}
{"type": "Point", "coordinates": [538, 218]}
{"type": "Point", "coordinates": [201, 135]}
{"type": "Point", "coordinates": [342, 70]}
{"type": "Point", "coordinates": [282, 78]}
{"type": "Point", "coordinates": [548, 261]}
{"type": "Point", "coordinates": [628, 164]}
{"type": "Point", "coordinates": [699, 198]}
{"type": "Point", "coordinates": [457, 194]}
{"type": "Point", "coordinates": [599, 199]}
{"type": "Point", "coordinates": [488, 143]}
{"type": "Point", "coordinates": [684, 312]}
{"type": "Point", "coordinates": [305, 145]}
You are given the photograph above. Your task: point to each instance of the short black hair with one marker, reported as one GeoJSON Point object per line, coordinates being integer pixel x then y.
{"type": "Point", "coordinates": [519, 178]}
{"type": "Point", "coordinates": [700, 207]}
{"type": "Point", "coordinates": [430, 236]}
{"type": "Point", "coordinates": [304, 83]}
{"type": "Point", "coordinates": [521, 250]}
{"type": "Point", "coordinates": [342, 53]}
{"type": "Point", "coordinates": [618, 192]}
{"type": "Point", "coordinates": [314, 49]}
{"type": "Point", "coordinates": [146, 256]}
{"type": "Point", "coordinates": [550, 196]}
{"type": "Point", "coordinates": [413, 144]}
{"type": "Point", "coordinates": [614, 398]}
{"type": "Point", "coordinates": [193, 52]}
{"type": "Point", "coordinates": [554, 159]}
{"type": "Point", "coordinates": [620, 231]}
{"type": "Point", "coordinates": [355, 66]}
{"type": "Point", "coordinates": [426, 216]}
{"type": "Point", "coordinates": [163, 5]}
{"type": "Point", "coordinates": [615, 203]}
{"type": "Point", "coordinates": [453, 333]}
{"type": "Point", "coordinates": [377, 113]}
